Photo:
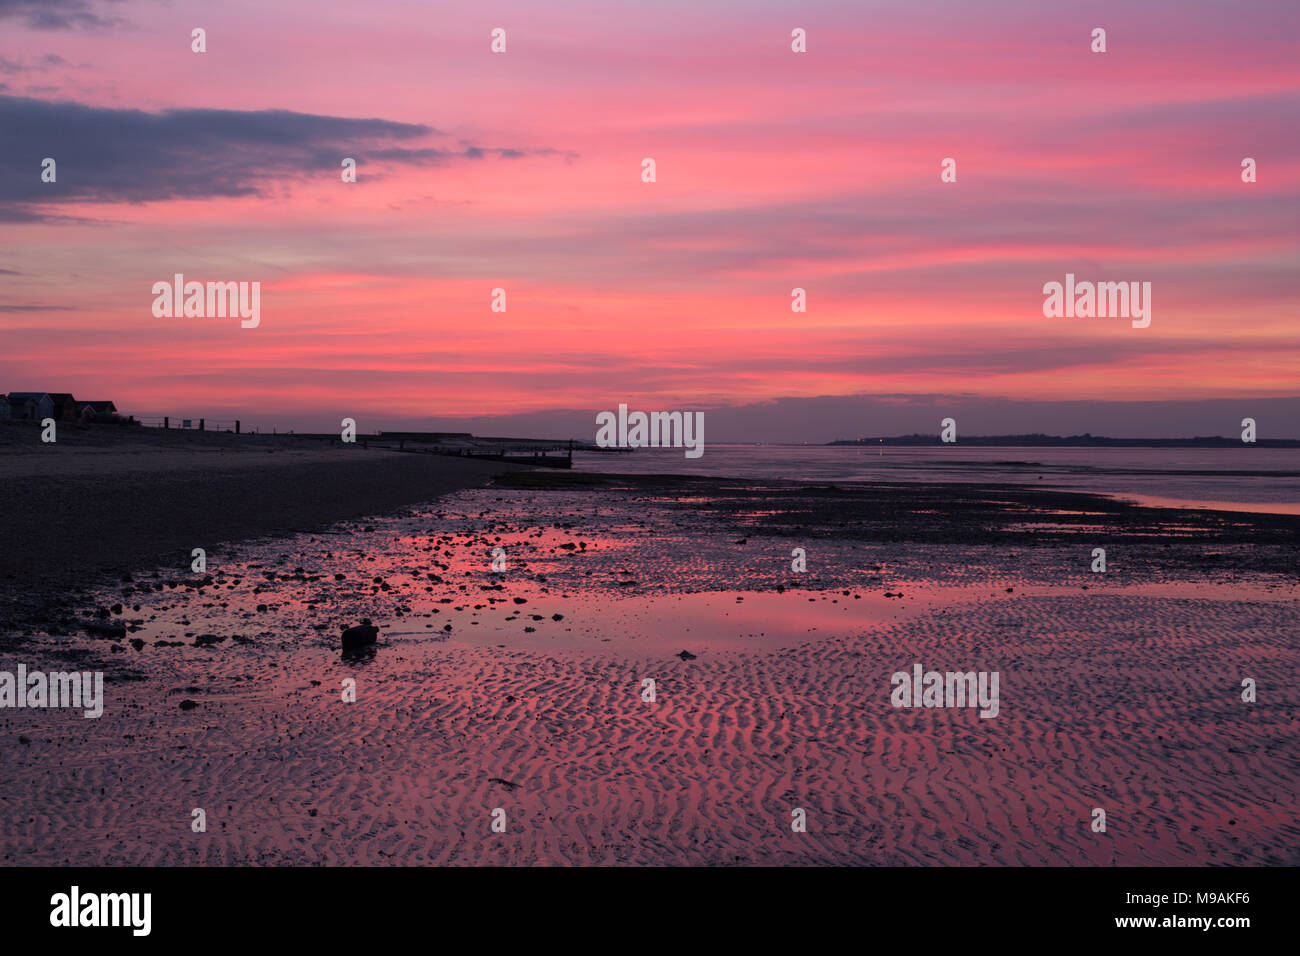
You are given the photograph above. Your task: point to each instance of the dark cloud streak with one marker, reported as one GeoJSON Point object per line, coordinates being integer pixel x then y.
{"type": "Point", "coordinates": [57, 14]}
{"type": "Point", "coordinates": [118, 155]}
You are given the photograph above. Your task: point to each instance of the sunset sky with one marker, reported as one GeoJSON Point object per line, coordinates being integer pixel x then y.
{"type": "Point", "coordinates": [522, 171]}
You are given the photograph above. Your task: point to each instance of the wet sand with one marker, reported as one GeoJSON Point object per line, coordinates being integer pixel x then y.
{"type": "Point", "coordinates": [522, 690]}
{"type": "Point", "coordinates": [1149, 729]}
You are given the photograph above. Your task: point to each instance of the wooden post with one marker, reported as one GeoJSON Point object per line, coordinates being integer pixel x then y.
{"type": "Point", "coordinates": [167, 421]}
{"type": "Point", "coordinates": [201, 421]}
{"type": "Point", "coordinates": [236, 426]}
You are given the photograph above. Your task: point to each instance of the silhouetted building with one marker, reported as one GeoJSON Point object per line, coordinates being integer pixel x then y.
{"type": "Point", "coordinates": [97, 411]}
{"type": "Point", "coordinates": [31, 406]}
{"type": "Point", "coordinates": [66, 408]}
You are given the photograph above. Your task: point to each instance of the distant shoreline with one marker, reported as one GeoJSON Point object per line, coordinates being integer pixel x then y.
{"type": "Point", "coordinates": [1071, 441]}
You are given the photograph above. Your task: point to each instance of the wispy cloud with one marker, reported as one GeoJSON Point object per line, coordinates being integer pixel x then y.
{"type": "Point", "coordinates": [115, 155]}
{"type": "Point", "coordinates": [58, 14]}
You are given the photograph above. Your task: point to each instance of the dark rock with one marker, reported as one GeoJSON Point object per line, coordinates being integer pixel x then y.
{"type": "Point", "coordinates": [114, 631]}
{"type": "Point", "coordinates": [188, 704]}
{"type": "Point", "coordinates": [363, 635]}
{"type": "Point", "coordinates": [685, 655]}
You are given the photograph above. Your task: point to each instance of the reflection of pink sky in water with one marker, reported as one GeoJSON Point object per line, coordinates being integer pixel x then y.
{"type": "Point", "coordinates": [605, 624]}
{"type": "Point", "coordinates": [1112, 685]}
{"type": "Point", "coordinates": [1119, 701]}
{"type": "Point", "coordinates": [698, 623]}
{"type": "Point", "coordinates": [1256, 507]}
{"type": "Point", "coordinates": [621, 578]}
{"type": "Point", "coordinates": [530, 615]}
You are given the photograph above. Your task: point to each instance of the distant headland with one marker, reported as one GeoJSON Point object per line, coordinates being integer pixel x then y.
{"type": "Point", "coordinates": [1046, 441]}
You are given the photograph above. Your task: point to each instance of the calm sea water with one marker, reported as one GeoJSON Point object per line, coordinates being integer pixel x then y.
{"type": "Point", "coordinates": [1233, 478]}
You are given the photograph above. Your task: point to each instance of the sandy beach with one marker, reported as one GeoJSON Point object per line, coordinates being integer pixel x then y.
{"type": "Point", "coordinates": [523, 691]}
{"type": "Point", "coordinates": [101, 502]}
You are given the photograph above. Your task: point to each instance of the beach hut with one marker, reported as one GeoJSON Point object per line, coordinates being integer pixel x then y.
{"type": "Point", "coordinates": [96, 411]}
{"type": "Point", "coordinates": [66, 408]}
{"type": "Point", "coordinates": [30, 406]}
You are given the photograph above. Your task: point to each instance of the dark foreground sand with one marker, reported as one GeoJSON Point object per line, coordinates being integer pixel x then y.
{"type": "Point", "coordinates": [101, 502]}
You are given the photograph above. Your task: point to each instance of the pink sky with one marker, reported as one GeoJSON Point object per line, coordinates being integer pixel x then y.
{"type": "Point", "coordinates": [775, 170]}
